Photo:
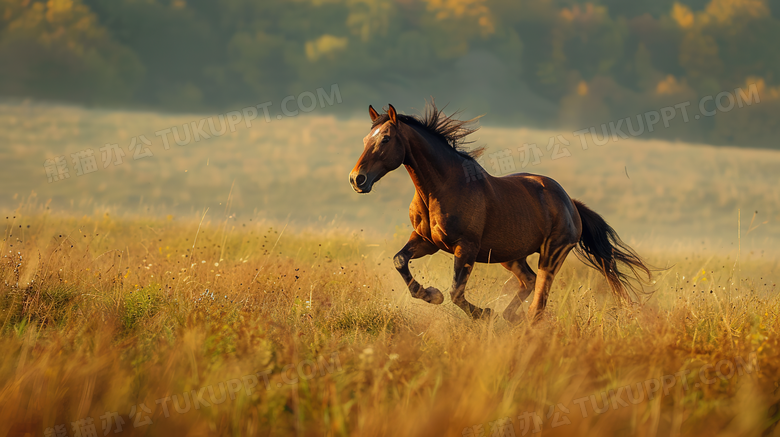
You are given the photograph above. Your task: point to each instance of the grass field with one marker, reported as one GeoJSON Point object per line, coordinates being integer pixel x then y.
{"type": "Point", "coordinates": [297, 167]}
{"type": "Point", "coordinates": [254, 294]}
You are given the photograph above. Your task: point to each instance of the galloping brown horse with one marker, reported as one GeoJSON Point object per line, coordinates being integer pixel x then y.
{"type": "Point", "coordinates": [462, 210]}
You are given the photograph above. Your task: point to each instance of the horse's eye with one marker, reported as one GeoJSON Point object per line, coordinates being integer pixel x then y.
{"type": "Point", "coordinates": [385, 139]}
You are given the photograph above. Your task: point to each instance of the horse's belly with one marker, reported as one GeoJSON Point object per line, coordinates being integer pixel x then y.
{"type": "Point", "coordinates": [500, 255]}
{"type": "Point", "coordinates": [508, 241]}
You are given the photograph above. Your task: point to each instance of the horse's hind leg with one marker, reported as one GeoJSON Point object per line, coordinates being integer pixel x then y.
{"type": "Point", "coordinates": [526, 279]}
{"type": "Point", "coordinates": [416, 247]}
{"type": "Point", "coordinates": [465, 257]}
{"type": "Point", "coordinates": [551, 259]}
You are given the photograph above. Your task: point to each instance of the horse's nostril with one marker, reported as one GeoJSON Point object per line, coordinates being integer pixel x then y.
{"type": "Point", "coordinates": [360, 180]}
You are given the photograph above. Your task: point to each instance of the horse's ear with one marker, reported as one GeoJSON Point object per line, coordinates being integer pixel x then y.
{"type": "Point", "coordinates": [372, 112]}
{"type": "Point", "coordinates": [392, 114]}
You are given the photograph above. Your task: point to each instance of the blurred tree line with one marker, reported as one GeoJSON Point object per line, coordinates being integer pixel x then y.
{"type": "Point", "coordinates": [552, 63]}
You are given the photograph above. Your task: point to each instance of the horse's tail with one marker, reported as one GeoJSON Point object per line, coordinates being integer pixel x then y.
{"type": "Point", "coordinates": [601, 248]}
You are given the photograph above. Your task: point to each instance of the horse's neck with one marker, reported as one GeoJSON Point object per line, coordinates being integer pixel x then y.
{"type": "Point", "coordinates": [431, 167]}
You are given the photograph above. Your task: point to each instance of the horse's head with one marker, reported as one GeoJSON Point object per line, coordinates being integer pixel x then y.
{"type": "Point", "coordinates": [383, 152]}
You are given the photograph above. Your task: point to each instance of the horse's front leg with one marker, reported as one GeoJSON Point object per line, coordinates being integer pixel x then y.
{"type": "Point", "coordinates": [465, 257]}
{"type": "Point", "coordinates": [416, 247]}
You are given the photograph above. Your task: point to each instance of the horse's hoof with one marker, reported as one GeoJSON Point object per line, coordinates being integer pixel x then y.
{"type": "Point", "coordinates": [513, 318]}
{"type": "Point", "coordinates": [482, 313]}
{"type": "Point", "coordinates": [433, 295]}
{"type": "Point", "coordinates": [535, 318]}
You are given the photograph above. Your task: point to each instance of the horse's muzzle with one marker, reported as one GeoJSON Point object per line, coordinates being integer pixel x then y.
{"type": "Point", "coordinates": [360, 182]}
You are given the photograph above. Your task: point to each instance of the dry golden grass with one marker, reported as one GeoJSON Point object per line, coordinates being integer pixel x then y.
{"type": "Point", "coordinates": [101, 314]}
{"type": "Point", "coordinates": [104, 303]}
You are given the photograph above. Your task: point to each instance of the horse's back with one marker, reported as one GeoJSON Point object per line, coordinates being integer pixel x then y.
{"type": "Point", "coordinates": [543, 187]}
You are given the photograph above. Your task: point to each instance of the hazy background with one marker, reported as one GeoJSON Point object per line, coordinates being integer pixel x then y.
{"type": "Point", "coordinates": [541, 63]}
{"type": "Point", "coordinates": [77, 75]}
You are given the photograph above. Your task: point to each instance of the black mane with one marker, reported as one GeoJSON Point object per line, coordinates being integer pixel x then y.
{"type": "Point", "coordinates": [445, 128]}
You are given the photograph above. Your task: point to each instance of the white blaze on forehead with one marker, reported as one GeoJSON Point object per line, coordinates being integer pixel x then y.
{"type": "Point", "coordinates": [376, 131]}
